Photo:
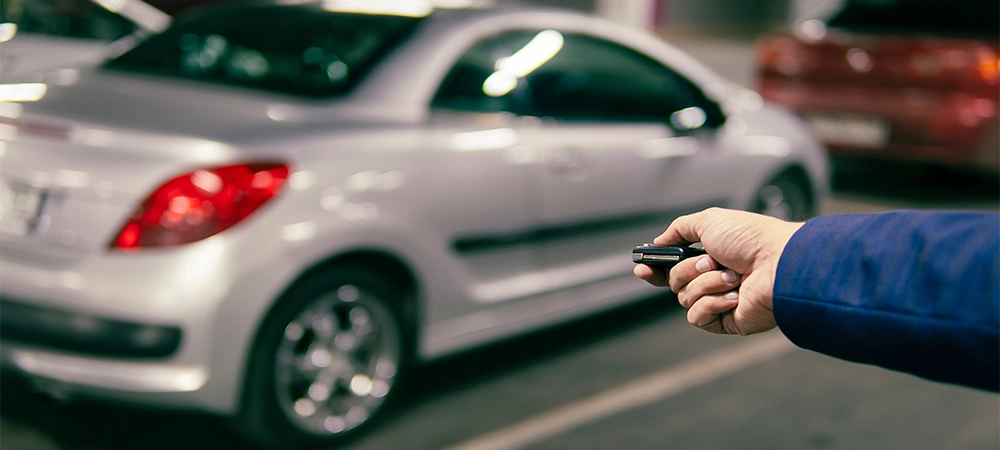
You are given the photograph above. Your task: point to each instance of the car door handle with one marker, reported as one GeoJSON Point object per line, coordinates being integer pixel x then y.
{"type": "Point", "coordinates": [569, 163]}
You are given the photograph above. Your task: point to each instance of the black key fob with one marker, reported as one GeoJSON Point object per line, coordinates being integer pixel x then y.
{"type": "Point", "coordinates": [664, 255]}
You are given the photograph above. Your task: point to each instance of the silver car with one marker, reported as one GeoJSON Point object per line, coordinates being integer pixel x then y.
{"type": "Point", "coordinates": [273, 211]}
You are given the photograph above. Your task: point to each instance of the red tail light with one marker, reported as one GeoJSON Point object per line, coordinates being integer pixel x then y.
{"type": "Point", "coordinates": [200, 204]}
{"type": "Point", "coordinates": [988, 66]}
{"type": "Point", "coordinates": [781, 55]}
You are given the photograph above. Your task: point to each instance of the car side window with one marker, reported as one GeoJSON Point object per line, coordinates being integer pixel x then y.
{"type": "Point", "coordinates": [594, 79]}
{"type": "Point", "coordinates": [463, 86]}
{"type": "Point", "coordinates": [570, 77]}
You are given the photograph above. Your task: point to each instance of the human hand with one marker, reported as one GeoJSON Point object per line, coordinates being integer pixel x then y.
{"type": "Point", "coordinates": [737, 298]}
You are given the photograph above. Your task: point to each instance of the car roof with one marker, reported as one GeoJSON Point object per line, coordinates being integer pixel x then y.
{"type": "Point", "coordinates": [447, 32]}
{"type": "Point", "coordinates": [409, 75]}
{"type": "Point", "coordinates": [474, 8]}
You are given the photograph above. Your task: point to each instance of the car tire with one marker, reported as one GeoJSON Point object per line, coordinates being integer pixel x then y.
{"type": "Point", "coordinates": [786, 197]}
{"type": "Point", "coordinates": [326, 363]}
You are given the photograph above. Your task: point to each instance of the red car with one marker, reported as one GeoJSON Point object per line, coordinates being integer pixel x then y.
{"type": "Point", "coordinates": [913, 80]}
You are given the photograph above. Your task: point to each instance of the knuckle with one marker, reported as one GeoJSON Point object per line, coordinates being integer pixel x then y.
{"type": "Point", "coordinates": [675, 283]}
{"type": "Point", "coordinates": [685, 300]}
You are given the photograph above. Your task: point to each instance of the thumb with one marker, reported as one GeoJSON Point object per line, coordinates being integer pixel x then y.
{"type": "Point", "coordinates": [683, 230]}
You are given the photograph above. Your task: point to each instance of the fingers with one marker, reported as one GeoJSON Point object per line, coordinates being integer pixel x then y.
{"type": "Point", "coordinates": [689, 269]}
{"type": "Point", "coordinates": [708, 293]}
{"type": "Point", "coordinates": [652, 275]}
{"type": "Point", "coordinates": [715, 282]}
{"type": "Point", "coordinates": [707, 312]}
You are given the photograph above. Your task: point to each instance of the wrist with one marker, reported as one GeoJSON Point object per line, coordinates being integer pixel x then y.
{"type": "Point", "coordinates": [787, 230]}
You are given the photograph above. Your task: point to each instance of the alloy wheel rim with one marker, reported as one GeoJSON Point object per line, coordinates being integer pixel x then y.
{"type": "Point", "coordinates": [337, 361]}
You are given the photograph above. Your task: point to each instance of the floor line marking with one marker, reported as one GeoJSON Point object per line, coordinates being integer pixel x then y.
{"type": "Point", "coordinates": [643, 391]}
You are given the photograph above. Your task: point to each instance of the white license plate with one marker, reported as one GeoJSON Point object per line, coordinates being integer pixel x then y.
{"type": "Point", "coordinates": [867, 132]}
{"type": "Point", "coordinates": [20, 205]}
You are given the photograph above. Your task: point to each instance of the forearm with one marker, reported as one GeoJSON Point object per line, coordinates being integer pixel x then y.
{"type": "Point", "coordinates": [910, 291]}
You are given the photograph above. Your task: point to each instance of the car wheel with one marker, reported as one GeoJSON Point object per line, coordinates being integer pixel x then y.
{"type": "Point", "coordinates": [326, 363]}
{"type": "Point", "coordinates": [785, 197]}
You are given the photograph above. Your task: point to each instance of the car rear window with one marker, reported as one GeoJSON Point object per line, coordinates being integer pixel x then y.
{"type": "Point", "coordinates": [296, 49]}
{"type": "Point", "coordinates": [65, 18]}
{"type": "Point", "coordinates": [933, 17]}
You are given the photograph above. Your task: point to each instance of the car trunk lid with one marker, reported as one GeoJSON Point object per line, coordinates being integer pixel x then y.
{"type": "Point", "coordinates": [76, 163]}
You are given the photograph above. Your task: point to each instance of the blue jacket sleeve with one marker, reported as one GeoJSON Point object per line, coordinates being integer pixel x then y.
{"type": "Point", "coordinates": [914, 291]}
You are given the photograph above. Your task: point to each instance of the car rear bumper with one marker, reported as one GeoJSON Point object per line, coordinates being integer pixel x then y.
{"type": "Point", "coordinates": [85, 334]}
{"type": "Point", "coordinates": [61, 330]}
{"type": "Point", "coordinates": [162, 328]}
{"type": "Point", "coordinates": [893, 123]}
{"type": "Point", "coordinates": [141, 382]}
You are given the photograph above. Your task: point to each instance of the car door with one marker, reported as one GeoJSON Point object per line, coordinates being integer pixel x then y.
{"type": "Point", "coordinates": [616, 125]}
{"type": "Point", "coordinates": [482, 188]}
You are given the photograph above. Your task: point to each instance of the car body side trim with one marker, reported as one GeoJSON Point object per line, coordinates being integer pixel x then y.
{"type": "Point", "coordinates": [555, 232]}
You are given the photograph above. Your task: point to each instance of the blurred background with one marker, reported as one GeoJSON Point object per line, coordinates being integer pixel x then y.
{"type": "Point", "coordinates": [909, 123]}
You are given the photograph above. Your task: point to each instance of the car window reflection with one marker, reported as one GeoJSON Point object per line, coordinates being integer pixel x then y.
{"type": "Point", "coordinates": [290, 50]}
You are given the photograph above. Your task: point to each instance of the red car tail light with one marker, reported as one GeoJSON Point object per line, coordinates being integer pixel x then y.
{"type": "Point", "coordinates": [199, 204]}
{"type": "Point", "coordinates": [989, 66]}
{"type": "Point", "coordinates": [780, 54]}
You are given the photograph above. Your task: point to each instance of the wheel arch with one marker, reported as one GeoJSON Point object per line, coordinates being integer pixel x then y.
{"type": "Point", "coordinates": [254, 417]}
{"type": "Point", "coordinates": [797, 174]}
{"type": "Point", "coordinates": [389, 265]}
{"type": "Point", "coordinates": [385, 263]}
